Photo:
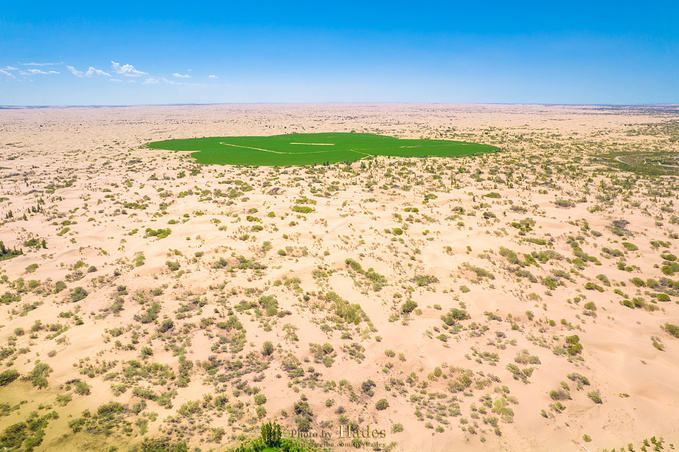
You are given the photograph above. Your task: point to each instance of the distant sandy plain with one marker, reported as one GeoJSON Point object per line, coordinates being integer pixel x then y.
{"type": "Point", "coordinates": [530, 246]}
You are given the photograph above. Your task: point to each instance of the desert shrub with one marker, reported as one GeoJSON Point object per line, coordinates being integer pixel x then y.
{"type": "Point", "coordinates": [267, 348]}
{"type": "Point", "coordinates": [271, 434]}
{"type": "Point", "coordinates": [270, 304]}
{"type": "Point", "coordinates": [8, 376]}
{"type": "Point", "coordinates": [163, 444]}
{"type": "Point", "coordinates": [82, 388]}
{"type": "Point", "coordinates": [59, 286]}
{"type": "Point", "coordinates": [480, 272]}
{"type": "Point", "coordinates": [511, 256]}
{"type": "Point", "coordinates": [425, 280]}
{"type": "Point", "coordinates": [559, 394]}
{"type": "Point", "coordinates": [638, 282]}
{"type": "Point", "coordinates": [78, 294]}
{"type": "Point", "coordinates": [221, 263]}
{"type": "Point", "coordinates": [304, 415]}
{"type": "Point", "coordinates": [455, 315]}
{"type": "Point", "coordinates": [160, 233]}
{"type": "Point", "coordinates": [672, 329]}
{"type": "Point", "coordinates": [150, 315]}
{"type": "Point", "coordinates": [38, 376]}
{"type": "Point", "coordinates": [594, 395]}
{"type": "Point", "coordinates": [349, 312]}
{"type": "Point", "coordinates": [302, 209]}
{"type": "Point", "coordinates": [524, 357]}
{"type": "Point", "coordinates": [520, 374]}
{"type": "Point", "coordinates": [573, 345]}
{"type": "Point", "coordinates": [382, 404]}
{"type": "Point", "coordinates": [166, 326]}
{"type": "Point", "coordinates": [630, 246]}
{"type": "Point", "coordinates": [408, 307]}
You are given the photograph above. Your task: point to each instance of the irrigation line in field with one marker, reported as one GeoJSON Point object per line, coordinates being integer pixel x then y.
{"type": "Point", "coordinates": [280, 152]}
{"type": "Point", "coordinates": [256, 149]}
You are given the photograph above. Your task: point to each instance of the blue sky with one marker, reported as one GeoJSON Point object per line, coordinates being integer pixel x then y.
{"type": "Point", "coordinates": [125, 53]}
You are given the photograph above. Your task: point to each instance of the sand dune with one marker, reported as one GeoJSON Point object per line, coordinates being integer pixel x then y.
{"type": "Point", "coordinates": [517, 252]}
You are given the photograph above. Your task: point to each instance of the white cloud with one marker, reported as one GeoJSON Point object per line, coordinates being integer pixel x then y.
{"type": "Point", "coordinates": [212, 76]}
{"type": "Point", "coordinates": [91, 72]}
{"type": "Point", "coordinates": [39, 72]}
{"type": "Point", "coordinates": [151, 81]}
{"type": "Point", "coordinates": [94, 72]}
{"type": "Point", "coordinates": [74, 71]}
{"type": "Point", "coordinates": [7, 74]}
{"type": "Point", "coordinates": [127, 70]}
{"type": "Point", "coordinates": [40, 64]}
{"type": "Point", "coordinates": [11, 68]}
{"type": "Point", "coordinates": [181, 75]}
{"type": "Point", "coordinates": [117, 80]}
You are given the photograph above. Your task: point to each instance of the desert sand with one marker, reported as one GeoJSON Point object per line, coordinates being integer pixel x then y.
{"type": "Point", "coordinates": [451, 288]}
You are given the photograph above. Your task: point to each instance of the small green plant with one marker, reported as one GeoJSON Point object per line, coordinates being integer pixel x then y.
{"type": "Point", "coordinates": [672, 329]}
{"type": "Point", "coordinates": [8, 376]}
{"type": "Point", "coordinates": [78, 294]}
{"type": "Point", "coordinates": [408, 307]}
{"type": "Point", "coordinates": [382, 404]}
{"type": "Point", "coordinates": [160, 233]}
{"type": "Point", "coordinates": [271, 434]}
{"type": "Point", "coordinates": [595, 397]}
{"type": "Point", "coordinates": [267, 348]}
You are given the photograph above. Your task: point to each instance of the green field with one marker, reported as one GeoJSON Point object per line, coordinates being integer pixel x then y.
{"type": "Point", "coordinates": [312, 148]}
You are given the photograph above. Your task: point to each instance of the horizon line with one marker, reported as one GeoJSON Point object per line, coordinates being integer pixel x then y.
{"type": "Point", "coordinates": [189, 104]}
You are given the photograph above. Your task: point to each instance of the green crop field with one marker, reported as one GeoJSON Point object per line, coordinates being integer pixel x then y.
{"type": "Point", "coordinates": [312, 148]}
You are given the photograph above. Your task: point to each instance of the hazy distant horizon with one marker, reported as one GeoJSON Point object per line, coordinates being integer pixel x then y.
{"type": "Point", "coordinates": [189, 104]}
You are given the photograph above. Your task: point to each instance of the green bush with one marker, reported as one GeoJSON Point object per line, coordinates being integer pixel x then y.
{"type": "Point", "coordinates": [267, 348]}
{"type": "Point", "coordinates": [630, 246]}
{"type": "Point", "coordinates": [78, 294]}
{"type": "Point", "coordinates": [382, 404]}
{"type": "Point", "coordinates": [82, 388]}
{"type": "Point", "coordinates": [166, 326]}
{"type": "Point", "coordinates": [638, 282]}
{"type": "Point", "coordinates": [573, 345]}
{"type": "Point", "coordinates": [59, 286]}
{"type": "Point", "coordinates": [38, 375]}
{"type": "Point", "coordinates": [271, 434]}
{"type": "Point", "coordinates": [302, 209]}
{"type": "Point", "coordinates": [425, 280]}
{"type": "Point", "coordinates": [8, 376]}
{"type": "Point", "coordinates": [672, 329]}
{"type": "Point", "coordinates": [160, 233]}
{"type": "Point", "coordinates": [596, 398]}
{"type": "Point", "coordinates": [408, 307]}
